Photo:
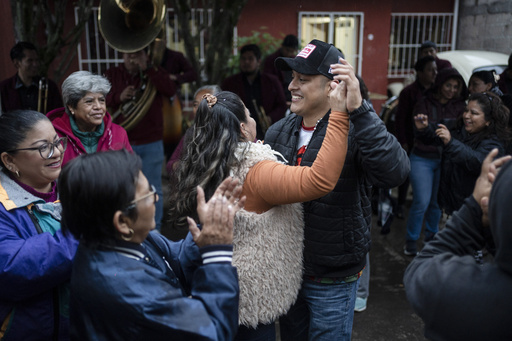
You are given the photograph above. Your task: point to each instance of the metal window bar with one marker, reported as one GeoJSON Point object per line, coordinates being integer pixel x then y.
{"type": "Point", "coordinates": [343, 29]}
{"type": "Point", "coordinates": [408, 31]}
{"type": "Point", "coordinates": [95, 55]}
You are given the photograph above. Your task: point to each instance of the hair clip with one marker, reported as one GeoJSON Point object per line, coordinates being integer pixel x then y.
{"type": "Point", "coordinates": [210, 99]}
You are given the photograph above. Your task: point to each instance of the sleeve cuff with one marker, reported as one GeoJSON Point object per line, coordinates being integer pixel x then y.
{"type": "Point", "coordinates": [217, 254]}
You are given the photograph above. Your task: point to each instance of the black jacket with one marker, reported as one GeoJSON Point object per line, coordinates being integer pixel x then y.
{"type": "Point", "coordinates": [458, 298]}
{"type": "Point", "coordinates": [337, 232]}
{"type": "Point", "coordinates": [462, 160]}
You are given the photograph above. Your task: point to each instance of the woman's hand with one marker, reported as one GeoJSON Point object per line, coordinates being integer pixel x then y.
{"type": "Point", "coordinates": [443, 133]}
{"type": "Point", "coordinates": [421, 121]}
{"type": "Point", "coordinates": [217, 215]}
{"type": "Point", "coordinates": [345, 94]}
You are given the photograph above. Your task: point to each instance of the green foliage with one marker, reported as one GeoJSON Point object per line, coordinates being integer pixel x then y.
{"type": "Point", "coordinates": [267, 43]}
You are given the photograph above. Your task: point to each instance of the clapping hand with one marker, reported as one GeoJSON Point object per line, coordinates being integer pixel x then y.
{"type": "Point", "coordinates": [217, 215]}
{"type": "Point", "coordinates": [443, 133]}
{"type": "Point", "coordinates": [421, 121]}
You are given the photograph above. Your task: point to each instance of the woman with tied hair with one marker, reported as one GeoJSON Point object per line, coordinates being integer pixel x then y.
{"type": "Point", "coordinates": [481, 128]}
{"type": "Point", "coordinates": [198, 96]}
{"type": "Point", "coordinates": [35, 256]}
{"type": "Point", "coordinates": [484, 81]}
{"type": "Point", "coordinates": [268, 232]}
{"type": "Point", "coordinates": [84, 120]}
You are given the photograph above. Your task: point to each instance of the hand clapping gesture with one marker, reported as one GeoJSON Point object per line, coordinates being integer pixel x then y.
{"type": "Point", "coordinates": [217, 215]}
{"type": "Point", "coordinates": [443, 133]}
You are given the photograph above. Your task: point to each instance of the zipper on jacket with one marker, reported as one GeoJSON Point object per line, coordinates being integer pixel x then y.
{"type": "Point", "coordinates": [55, 291]}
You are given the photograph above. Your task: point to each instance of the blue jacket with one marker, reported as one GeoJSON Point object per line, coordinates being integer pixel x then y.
{"type": "Point", "coordinates": [337, 232]}
{"type": "Point", "coordinates": [159, 290]}
{"type": "Point", "coordinates": [35, 264]}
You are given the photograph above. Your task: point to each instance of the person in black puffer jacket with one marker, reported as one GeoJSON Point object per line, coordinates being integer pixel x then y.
{"type": "Point", "coordinates": [337, 226]}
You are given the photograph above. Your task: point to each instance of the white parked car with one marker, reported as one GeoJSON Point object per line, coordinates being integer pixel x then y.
{"type": "Point", "coordinates": [469, 61]}
{"type": "Point", "coordinates": [466, 62]}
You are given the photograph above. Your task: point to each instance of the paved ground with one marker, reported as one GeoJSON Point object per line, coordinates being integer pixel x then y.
{"type": "Point", "coordinates": [388, 316]}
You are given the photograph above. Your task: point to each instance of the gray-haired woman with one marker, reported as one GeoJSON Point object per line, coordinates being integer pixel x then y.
{"type": "Point", "coordinates": [84, 120]}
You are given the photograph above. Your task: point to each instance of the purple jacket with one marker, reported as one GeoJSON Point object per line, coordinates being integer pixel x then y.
{"type": "Point", "coordinates": [114, 136]}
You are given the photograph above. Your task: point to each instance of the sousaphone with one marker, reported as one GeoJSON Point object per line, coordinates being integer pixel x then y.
{"type": "Point", "coordinates": [130, 26]}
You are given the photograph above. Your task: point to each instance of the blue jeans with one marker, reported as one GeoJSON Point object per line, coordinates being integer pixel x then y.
{"type": "Point", "coordinates": [152, 155]}
{"type": "Point", "coordinates": [322, 312]}
{"type": "Point", "coordinates": [425, 175]}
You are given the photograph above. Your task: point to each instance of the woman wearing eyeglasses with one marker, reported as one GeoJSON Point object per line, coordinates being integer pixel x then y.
{"type": "Point", "coordinates": [84, 120]}
{"type": "Point", "coordinates": [481, 128]}
{"type": "Point", "coordinates": [131, 283]}
{"type": "Point", "coordinates": [35, 257]}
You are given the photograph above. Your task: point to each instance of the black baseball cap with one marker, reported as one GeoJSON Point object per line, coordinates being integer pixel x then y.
{"type": "Point", "coordinates": [314, 59]}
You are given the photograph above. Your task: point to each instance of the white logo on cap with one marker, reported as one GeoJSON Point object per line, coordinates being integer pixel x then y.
{"type": "Point", "coordinates": [306, 51]}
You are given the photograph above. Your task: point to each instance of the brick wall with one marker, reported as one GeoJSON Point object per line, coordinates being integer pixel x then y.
{"type": "Point", "coordinates": [485, 25]}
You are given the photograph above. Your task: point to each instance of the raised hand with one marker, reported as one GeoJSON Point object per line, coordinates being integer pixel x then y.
{"type": "Point", "coordinates": [421, 121]}
{"type": "Point", "coordinates": [484, 182]}
{"type": "Point", "coordinates": [217, 215]}
{"type": "Point", "coordinates": [345, 93]}
{"type": "Point", "coordinates": [443, 133]}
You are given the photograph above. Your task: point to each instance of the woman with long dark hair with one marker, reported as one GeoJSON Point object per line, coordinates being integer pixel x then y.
{"type": "Point", "coordinates": [268, 233]}
{"type": "Point", "coordinates": [481, 128]}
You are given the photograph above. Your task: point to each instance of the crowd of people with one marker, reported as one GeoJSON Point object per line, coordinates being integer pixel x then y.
{"type": "Point", "coordinates": [272, 180]}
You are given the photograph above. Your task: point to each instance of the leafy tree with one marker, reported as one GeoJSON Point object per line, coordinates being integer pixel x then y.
{"type": "Point", "coordinates": [217, 34]}
{"type": "Point", "coordinates": [267, 43]}
{"type": "Point", "coordinates": [42, 23]}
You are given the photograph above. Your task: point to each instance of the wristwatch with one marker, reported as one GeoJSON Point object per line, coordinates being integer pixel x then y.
{"type": "Point", "coordinates": [363, 108]}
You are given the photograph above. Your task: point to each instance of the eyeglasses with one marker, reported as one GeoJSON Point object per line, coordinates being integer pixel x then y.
{"type": "Point", "coordinates": [47, 149]}
{"type": "Point", "coordinates": [151, 193]}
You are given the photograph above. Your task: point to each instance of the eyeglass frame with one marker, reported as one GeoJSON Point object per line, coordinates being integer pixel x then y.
{"type": "Point", "coordinates": [51, 145]}
{"type": "Point", "coordinates": [133, 203]}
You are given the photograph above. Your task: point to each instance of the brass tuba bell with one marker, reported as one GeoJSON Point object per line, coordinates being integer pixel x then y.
{"type": "Point", "coordinates": [130, 26]}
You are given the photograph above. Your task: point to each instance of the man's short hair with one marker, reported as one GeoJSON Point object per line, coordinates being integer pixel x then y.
{"type": "Point", "coordinates": [422, 62]}
{"type": "Point", "coordinates": [428, 44]}
{"type": "Point", "coordinates": [17, 50]}
{"type": "Point", "coordinates": [291, 41]}
{"type": "Point", "coordinates": [251, 47]}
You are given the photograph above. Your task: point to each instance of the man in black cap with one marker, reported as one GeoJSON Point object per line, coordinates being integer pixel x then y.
{"type": "Point", "coordinates": [429, 48]}
{"type": "Point", "coordinates": [337, 226]}
{"type": "Point", "coordinates": [288, 49]}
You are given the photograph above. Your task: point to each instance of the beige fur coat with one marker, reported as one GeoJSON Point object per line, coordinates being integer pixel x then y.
{"type": "Point", "coordinates": [267, 250]}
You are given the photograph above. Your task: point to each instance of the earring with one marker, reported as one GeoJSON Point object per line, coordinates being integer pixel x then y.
{"type": "Point", "coordinates": [72, 113]}
{"type": "Point", "coordinates": [129, 237]}
{"type": "Point", "coordinates": [17, 173]}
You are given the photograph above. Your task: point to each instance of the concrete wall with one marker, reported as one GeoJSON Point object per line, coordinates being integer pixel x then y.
{"type": "Point", "coordinates": [485, 25]}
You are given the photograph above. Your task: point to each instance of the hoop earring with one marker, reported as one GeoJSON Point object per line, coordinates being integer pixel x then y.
{"type": "Point", "coordinates": [17, 173]}
{"type": "Point", "coordinates": [125, 238]}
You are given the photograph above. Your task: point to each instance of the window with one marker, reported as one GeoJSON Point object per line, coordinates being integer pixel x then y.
{"type": "Point", "coordinates": [343, 29]}
{"type": "Point", "coordinates": [409, 31]}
